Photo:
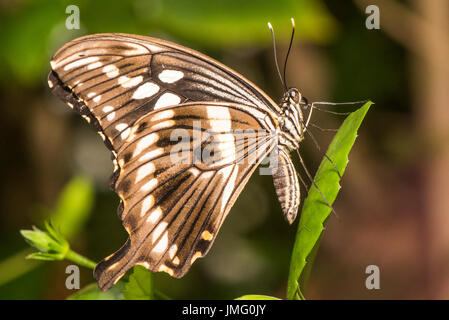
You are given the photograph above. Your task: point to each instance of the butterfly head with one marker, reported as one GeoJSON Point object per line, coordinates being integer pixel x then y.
{"type": "Point", "coordinates": [292, 121]}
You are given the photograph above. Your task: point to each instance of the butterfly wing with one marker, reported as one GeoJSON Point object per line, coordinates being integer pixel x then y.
{"type": "Point", "coordinates": [120, 77]}
{"type": "Point", "coordinates": [117, 82]}
{"type": "Point", "coordinates": [181, 169]}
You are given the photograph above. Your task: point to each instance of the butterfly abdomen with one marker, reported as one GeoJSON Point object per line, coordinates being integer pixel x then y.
{"type": "Point", "coordinates": [286, 185]}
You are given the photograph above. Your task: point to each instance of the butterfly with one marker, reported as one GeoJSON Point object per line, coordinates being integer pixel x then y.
{"type": "Point", "coordinates": [138, 93]}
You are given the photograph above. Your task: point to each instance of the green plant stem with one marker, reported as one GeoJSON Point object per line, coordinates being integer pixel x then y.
{"type": "Point", "coordinates": [79, 259]}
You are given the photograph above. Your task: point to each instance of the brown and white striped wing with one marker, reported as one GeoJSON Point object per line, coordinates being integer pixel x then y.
{"type": "Point", "coordinates": [173, 208]}
{"type": "Point", "coordinates": [114, 79]}
{"type": "Point", "coordinates": [136, 91]}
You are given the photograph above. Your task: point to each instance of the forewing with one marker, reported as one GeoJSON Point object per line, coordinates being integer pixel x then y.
{"type": "Point", "coordinates": [114, 79]}
{"type": "Point", "coordinates": [181, 169]}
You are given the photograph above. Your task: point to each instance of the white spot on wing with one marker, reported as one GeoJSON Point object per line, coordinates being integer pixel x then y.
{"type": "Point", "coordinates": [126, 82]}
{"type": "Point", "coordinates": [153, 48]}
{"type": "Point", "coordinates": [104, 138]}
{"type": "Point", "coordinates": [170, 76]}
{"type": "Point", "coordinates": [149, 185]}
{"type": "Point", "coordinates": [164, 268]}
{"type": "Point", "coordinates": [145, 90]}
{"type": "Point", "coordinates": [197, 255]}
{"type": "Point", "coordinates": [145, 143]}
{"type": "Point", "coordinates": [222, 116]}
{"type": "Point", "coordinates": [173, 250]}
{"type": "Point", "coordinates": [147, 205]}
{"type": "Point", "coordinates": [94, 65]}
{"type": "Point", "coordinates": [108, 109]}
{"type": "Point", "coordinates": [111, 71]}
{"type": "Point", "coordinates": [163, 124]}
{"type": "Point", "coordinates": [121, 126]}
{"type": "Point", "coordinates": [144, 171]}
{"type": "Point", "coordinates": [125, 133]}
{"type": "Point", "coordinates": [114, 266]}
{"type": "Point", "coordinates": [206, 235]}
{"type": "Point", "coordinates": [167, 99]}
{"type": "Point", "coordinates": [97, 98]}
{"type": "Point", "coordinates": [155, 214]}
{"type": "Point", "coordinates": [158, 231]}
{"type": "Point", "coordinates": [135, 49]}
{"type": "Point", "coordinates": [80, 62]}
{"type": "Point", "coordinates": [167, 114]}
{"type": "Point", "coordinates": [111, 116]}
{"type": "Point", "coordinates": [162, 244]}
{"type": "Point", "coordinates": [151, 154]}
{"type": "Point", "coordinates": [91, 94]}
{"type": "Point", "coordinates": [227, 192]}
{"type": "Point", "coordinates": [196, 172]}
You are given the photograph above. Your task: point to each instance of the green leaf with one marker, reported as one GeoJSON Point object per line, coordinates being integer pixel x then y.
{"type": "Point", "coordinates": [256, 297]}
{"type": "Point", "coordinates": [92, 292]}
{"type": "Point", "coordinates": [139, 285]}
{"type": "Point", "coordinates": [315, 211]}
{"type": "Point", "coordinates": [50, 244]}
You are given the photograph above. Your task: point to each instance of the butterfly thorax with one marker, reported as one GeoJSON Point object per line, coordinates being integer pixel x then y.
{"type": "Point", "coordinates": [291, 120]}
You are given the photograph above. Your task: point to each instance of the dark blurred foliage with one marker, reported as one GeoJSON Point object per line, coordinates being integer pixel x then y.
{"type": "Point", "coordinates": [393, 204]}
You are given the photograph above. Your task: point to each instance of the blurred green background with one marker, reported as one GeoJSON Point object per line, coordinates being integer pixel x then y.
{"type": "Point", "coordinates": [394, 204]}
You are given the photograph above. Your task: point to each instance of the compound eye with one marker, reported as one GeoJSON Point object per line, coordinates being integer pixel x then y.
{"type": "Point", "coordinates": [306, 102]}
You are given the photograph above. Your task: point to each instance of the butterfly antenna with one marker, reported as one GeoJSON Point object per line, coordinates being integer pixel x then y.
{"type": "Point", "coordinates": [314, 184]}
{"type": "Point", "coordinates": [275, 55]}
{"type": "Point", "coordinates": [313, 106]}
{"type": "Point", "coordinates": [339, 103]}
{"type": "Point", "coordinates": [288, 51]}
